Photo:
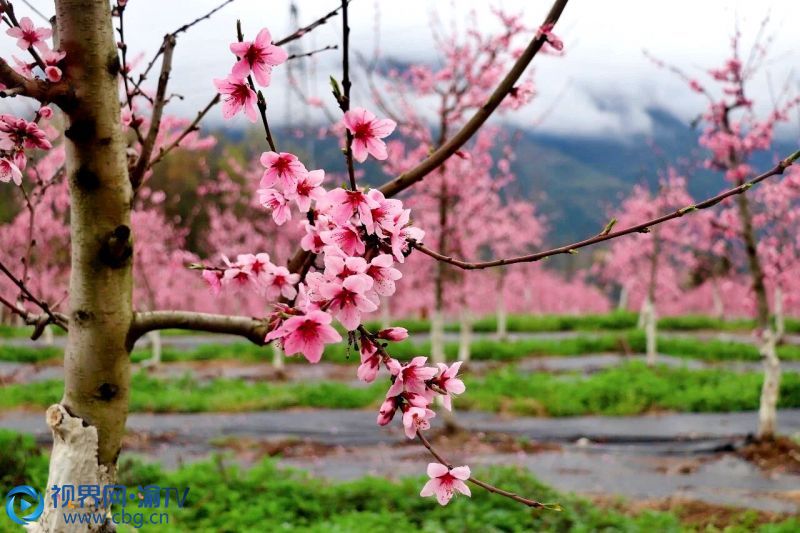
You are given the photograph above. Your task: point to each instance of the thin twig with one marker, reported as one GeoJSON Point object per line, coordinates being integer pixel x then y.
{"type": "Point", "coordinates": [55, 319]}
{"type": "Point", "coordinates": [313, 52]}
{"type": "Point", "coordinates": [491, 488]}
{"type": "Point", "coordinates": [182, 29]}
{"type": "Point", "coordinates": [643, 227]}
{"type": "Point", "coordinates": [344, 100]}
{"type": "Point", "coordinates": [143, 163]}
{"type": "Point", "coordinates": [194, 126]}
{"type": "Point", "coordinates": [483, 113]}
{"type": "Point", "coordinates": [306, 29]}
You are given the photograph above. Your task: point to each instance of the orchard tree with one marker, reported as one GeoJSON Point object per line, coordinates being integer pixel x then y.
{"type": "Point", "coordinates": [732, 132]}
{"type": "Point", "coordinates": [650, 265]}
{"type": "Point", "coordinates": [352, 238]}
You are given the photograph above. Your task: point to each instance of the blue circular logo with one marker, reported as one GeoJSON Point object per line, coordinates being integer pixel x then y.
{"type": "Point", "coordinates": [24, 494]}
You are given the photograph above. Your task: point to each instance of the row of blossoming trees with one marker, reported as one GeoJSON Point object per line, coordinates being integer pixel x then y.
{"type": "Point", "coordinates": [285, 251]}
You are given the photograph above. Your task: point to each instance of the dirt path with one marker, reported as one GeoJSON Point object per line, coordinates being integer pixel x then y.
{"type": "Point", "coordinates": [639, 457]}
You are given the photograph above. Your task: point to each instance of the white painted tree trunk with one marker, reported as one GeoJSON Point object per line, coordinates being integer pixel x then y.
{"type": "Point", "coordinates": [277, 357]}
{"type": "Point", "coordinates": [768, 407]}
{"type": "Point", "coordinates": [465, 335]}
{"type": "Point", "coordinates": [502, 319]}
{"type": "Point", "coordinates": [716, 298]}
{"type": "Point", "coordinates": [73, 462]}
{"type": "Point", "coordinates": [89, 422]}
{"type": "Point", "coordinates": [780, 318]}
{"type": "Point", "coordinates": [622, 303]}
{"type": "Point", "coordinates": [47, 336]}
{"type": "Point", "coordinates": [437, 337]}
{"type": "Point", "coordinates": [650, 324]}
{"type": "Point", "coordinates": [155, 347]}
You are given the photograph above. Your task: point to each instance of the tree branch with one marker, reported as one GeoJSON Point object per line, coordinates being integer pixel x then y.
{"type": "Point", "coordinates": [306, 29]}
{"type": "Point", "coordinates": [41, 90]}
{"type": "Point", "coordinates": [438, 157]}
{"type": "Point", "coordinates": [194, 126]}
{"type": "Point", "coordinates": [643, 227]}
{"type": "Point", "coordinates": [491, 488]}
{"type": "Point", "coordinates": [253, 329]}
{"type": "Point", "coordinates": [143, 163]}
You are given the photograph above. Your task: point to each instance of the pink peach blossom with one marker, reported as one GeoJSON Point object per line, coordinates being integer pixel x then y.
{"type": "Point", "coordinates": [283, 168]}
{"type": "Point", "coordinates": [368, 130]}
{"type": "Point", "coordinates": [258, 56]}
{"type": "Point", "coordinates": [445, 482]}
{"type": "Point", "coordinates": [28, 35]}
{"type": "Point", "coordinates": [238, 97]}
{"type": "Point", "coordinates": [307, 334]}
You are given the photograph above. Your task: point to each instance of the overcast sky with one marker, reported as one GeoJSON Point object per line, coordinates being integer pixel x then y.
{"type": "Point", "coordinates": [601, 86]}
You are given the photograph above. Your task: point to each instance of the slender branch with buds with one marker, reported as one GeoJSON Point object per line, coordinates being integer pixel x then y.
{"type": "Point", "coordinates": [605, 235]}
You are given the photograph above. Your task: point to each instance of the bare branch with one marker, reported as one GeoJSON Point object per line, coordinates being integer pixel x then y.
{"type": "Point", "coordinates": [194, 126]}
{"type": "Point", "coordinates": [643, 227]}
{"type": "Point", "coordinates": [441, 155]}
{"type": "Point", "coordinates": [56, 318]}
{"type": "Point", "coordinates": [344, 100]}
{"type": "Point", "coordinates": [17, 84]}
{"type": "Point", "coordinates": [143, 163]}
{"type": "Point", "coordinates": [306, 29]}
{"type": "Point", "coordinates": [313, 52]}
{"type": "Point", "coordinates": [250, 328]}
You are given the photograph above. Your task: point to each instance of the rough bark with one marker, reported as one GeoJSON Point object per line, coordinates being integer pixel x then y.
{"type": "Point", "coordinates": [89, 423]}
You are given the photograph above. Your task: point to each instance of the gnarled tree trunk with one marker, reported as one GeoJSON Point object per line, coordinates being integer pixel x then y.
{"type": "Point", "coordinates": [89, 423]}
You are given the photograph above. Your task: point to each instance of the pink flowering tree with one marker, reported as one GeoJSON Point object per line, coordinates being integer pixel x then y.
{"type": "Point", "coordinates": [465, 192]}
{"type": "Point", "coordinates": [650, 265]}
{"type": "Point", "coordinates": [732, 132]}
{"type": "Point", "coordinates": [349, 241]}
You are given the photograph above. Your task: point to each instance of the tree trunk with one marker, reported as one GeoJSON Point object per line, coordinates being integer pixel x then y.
{"type": "Point", "coordinates": [716, 297]}
{"type": "Point", "coordinates": [89, 423]}
{"type": "Point", "coordinates": [437, 337]}
{"type": "Point", "coordinates": [386, 314]}
{"type": "Point", "coordinates": [780, 318]}
{"type": "Point", "coordinates": [622, 303]}
{"type": "Point", "coordinates": [155, 346]}
{"type": "Point", "coordinates": [277, 356]}
{"type": "Point", "coordinates": [465, 335]}
{"type": "Point", "coordinates": [767, 411]}
{"type": "Point", "coordinates": [502, 313]}
{"type": "Point", "coordinates": [48, 338]}
{"type": "Point", "coordinates": [650, 331]}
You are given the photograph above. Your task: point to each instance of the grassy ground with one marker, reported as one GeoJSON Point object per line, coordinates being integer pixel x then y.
{"type": "Point", "coordinates": [614, 321]}
{"type": "Point", "coordinates": [226, 498]}
{"type": "Point", "coordinates": [482, 350]}
{"type": "Point", "coordinates": [626, 390]}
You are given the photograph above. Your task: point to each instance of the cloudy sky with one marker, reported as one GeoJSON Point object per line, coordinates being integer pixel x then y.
{"type": "Point", "coordinates": [601, 86]}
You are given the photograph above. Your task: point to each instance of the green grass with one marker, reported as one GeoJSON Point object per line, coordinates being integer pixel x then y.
{"type": "Point", "coordinates": [224, 498]}
{"type": "Point", "coordinates": [482, 350]}
{"type": "Point", "coordinates": [629, 389]}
